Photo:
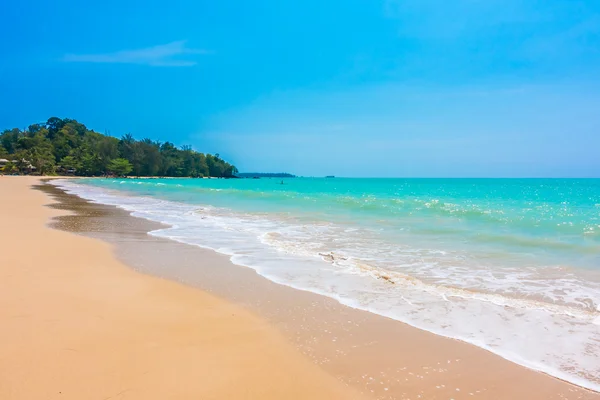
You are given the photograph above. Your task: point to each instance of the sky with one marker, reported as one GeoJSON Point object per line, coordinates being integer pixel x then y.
{"type": "Point", "coordinates": [374, 88]}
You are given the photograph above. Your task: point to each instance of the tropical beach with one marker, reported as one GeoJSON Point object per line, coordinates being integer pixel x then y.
{"type": "Point", "coordinates": [390, 199]}
{"type": "Point", "coordinates": [111, 329]}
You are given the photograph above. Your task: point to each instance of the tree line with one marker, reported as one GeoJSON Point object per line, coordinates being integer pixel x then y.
{"type": "Point", "coordinates": [65, 146]}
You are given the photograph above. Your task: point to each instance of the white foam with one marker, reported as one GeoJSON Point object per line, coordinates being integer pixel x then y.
{"type": "Point", "coordinates": [543, 319]}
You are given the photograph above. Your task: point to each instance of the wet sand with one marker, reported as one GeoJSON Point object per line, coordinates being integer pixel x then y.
{"type": "Point", "coordinates": [377, 356]}
{"type": "Point", "coordinates": [75, 323]}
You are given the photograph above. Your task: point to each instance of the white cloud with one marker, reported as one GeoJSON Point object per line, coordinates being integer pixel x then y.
{"type": "Point", "coordinates": [165, 55]}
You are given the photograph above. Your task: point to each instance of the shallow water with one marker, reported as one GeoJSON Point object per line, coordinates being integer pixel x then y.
{"type": "Point", "coordinates": [509, 265]}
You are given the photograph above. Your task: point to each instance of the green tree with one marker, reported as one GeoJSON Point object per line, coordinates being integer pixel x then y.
{"type": "Point", "coordinates": [10, 168]}
{"type": "Point", "coordinates": [126, 146]}
{"type": "Point", "coordinates": [9, 139]}
{"type": "Point", "coordinates": [151, 159]}
{"type": "Point", "coordinates": [43, 160]}
{"type": "Point", "coordinates": [215, 165]}
{"type": "Point", "coordinates": [120, 167]}
{"type": "Point", "coordinates": [172, 162]}
{"type": "Point", "coordinates": [90, 165]}
{"type": "Point", "coordinates": [70, 163]}
{"type": "Point", "coordinates": [53, 125]}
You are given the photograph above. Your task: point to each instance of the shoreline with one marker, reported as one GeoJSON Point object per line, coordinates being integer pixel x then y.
{"type": "Point", "coordinates": [79, 324]}
{"type": "Point", "coordinates": [522, 378]}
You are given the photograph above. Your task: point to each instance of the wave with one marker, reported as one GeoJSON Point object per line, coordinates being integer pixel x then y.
{"type": "Point", "coordinates": [538, 215]}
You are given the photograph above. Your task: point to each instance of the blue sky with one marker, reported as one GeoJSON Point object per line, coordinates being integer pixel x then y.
{"type": "Point", "coordinates": [351, 88]}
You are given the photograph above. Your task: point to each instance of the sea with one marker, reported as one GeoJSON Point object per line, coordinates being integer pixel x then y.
{"type": "Point", "coordinates": [509, 265]}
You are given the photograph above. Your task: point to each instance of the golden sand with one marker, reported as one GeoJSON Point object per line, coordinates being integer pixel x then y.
{"type": "Point", "coordinates": [75, 323]}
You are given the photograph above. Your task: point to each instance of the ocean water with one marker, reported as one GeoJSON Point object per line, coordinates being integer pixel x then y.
{"type": "Point", "coordinates": [509, 265]}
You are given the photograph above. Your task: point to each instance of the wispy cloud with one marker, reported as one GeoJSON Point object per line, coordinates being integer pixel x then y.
{"type": "Point", "coordinates": [164, 55]}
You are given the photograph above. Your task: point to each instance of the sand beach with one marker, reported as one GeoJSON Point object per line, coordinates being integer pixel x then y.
{"type": "Point", "coordinates": [93, 307]}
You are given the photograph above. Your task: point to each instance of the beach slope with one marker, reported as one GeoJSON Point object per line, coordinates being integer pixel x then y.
{"type": "Point", "coordinates": [75, 323]}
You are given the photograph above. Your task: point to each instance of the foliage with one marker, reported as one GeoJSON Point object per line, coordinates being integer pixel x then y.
{"type": "Point", "coordinates": [120, 167]}
{"type": "Point", "coordinates": [67, 146]}
{"type": "Point", "coordinates": [70, 163]}
{"type": "Point", "coordinates": [10, 168]}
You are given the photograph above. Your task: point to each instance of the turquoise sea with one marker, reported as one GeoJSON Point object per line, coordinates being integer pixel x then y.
{"type": "Point", "coordinates": [510, 265]}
